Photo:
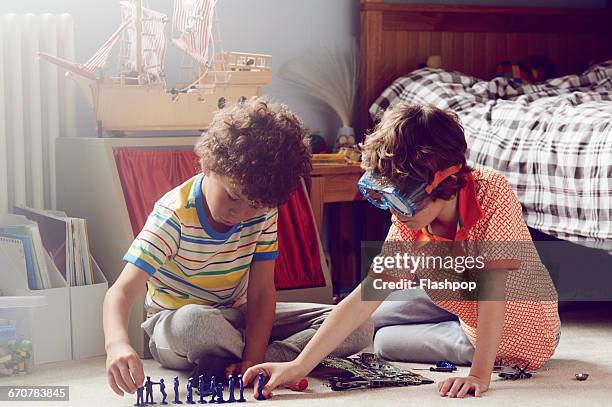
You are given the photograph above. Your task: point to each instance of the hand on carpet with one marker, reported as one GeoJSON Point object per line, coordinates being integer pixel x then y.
{"type": "Point", "coordinates": [124, 369]}
{"type": "Point", "coordinates": [277, 374]}
{"type": "Point", "coordinates": [461, 386]}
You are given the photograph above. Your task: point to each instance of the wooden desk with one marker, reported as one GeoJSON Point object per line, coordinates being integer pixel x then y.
{"type": "Point", "coordinates": [337, 184]}
{"type": "Point", "coordinates": [333, 183]}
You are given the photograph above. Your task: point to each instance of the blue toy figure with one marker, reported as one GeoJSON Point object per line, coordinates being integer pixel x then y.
{"type": "Point", "coordinates": [139, 397]}
{"type": "Point", "coordinates": [260, 386]}
{"type": "Point", "coordinates": [213, 389]}
{"type": "Point", "coordinates": [220, 393]}
{"type": "Point", "coordinates": [201, 389]}
{"type": "Point", "coordinates": [162, 390]}
{"type": "Point", "coordinates": [149, 391]}
{"type": "Point", "coordinates": [241, 384]}
{"type": "Point", "coordinates": [190, 391]}
{"type": "Point", "coordinates": [232, 398]}
{"type": "Point", "coordinates": [176, 391]}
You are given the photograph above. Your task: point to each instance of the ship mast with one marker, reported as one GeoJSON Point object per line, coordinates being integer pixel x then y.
{"type": "Point", "coordinates": [138, 26]}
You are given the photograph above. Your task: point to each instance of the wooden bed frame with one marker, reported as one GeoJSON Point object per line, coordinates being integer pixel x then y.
{"type": "Point", "coordinates": [396, 37]}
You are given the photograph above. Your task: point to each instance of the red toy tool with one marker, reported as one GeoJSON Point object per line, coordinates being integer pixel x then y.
{"type": "Point", "coordinates": [301, 385]}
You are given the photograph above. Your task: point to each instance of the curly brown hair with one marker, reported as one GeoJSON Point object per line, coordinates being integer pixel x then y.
{"type": "Point", "coordinates": [261, 146]}
{"type": "Point", "coordinates": [411, 142]}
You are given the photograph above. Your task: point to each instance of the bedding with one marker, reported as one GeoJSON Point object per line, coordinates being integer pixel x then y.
{"type": "Point", "coordinates": [551, 140]}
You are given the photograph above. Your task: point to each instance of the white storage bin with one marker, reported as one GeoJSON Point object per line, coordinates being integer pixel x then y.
{"type": "Point", "coordinates": [16, 323]}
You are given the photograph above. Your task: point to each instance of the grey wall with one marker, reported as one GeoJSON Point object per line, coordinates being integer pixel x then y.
{"type": "Point", "coordinates": [282, 28]}
{"type": "Point", "coordinates": [516, 3]}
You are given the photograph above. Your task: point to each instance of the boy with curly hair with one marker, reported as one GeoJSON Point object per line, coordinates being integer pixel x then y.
{"type": "Point", "coordinates": [207, 252]}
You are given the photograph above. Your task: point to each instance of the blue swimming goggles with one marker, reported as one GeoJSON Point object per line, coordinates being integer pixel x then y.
{"type": "Point", "coordinates": [384, 195]}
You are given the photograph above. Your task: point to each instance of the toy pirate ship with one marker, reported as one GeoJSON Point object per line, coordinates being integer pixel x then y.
{"type": "Point", "coordinates": [137, 99]}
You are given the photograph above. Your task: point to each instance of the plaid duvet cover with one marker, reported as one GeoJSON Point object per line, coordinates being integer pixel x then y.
{"type": "Point", "coordinates": [551, 140]}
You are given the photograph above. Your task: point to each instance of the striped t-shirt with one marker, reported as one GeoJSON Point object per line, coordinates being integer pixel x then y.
{"type": "Point", "coordinates": [191, 263]}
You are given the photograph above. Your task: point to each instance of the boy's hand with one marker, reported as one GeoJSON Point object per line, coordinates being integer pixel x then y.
{"type": "Point", "coordinates": [277, 374]}
{"type": "Point", "coordinates": [124, 369]}
{"type": "Point", "coordinates": [238, 368]}
{"type": "Point", "coordinates": [460, 386]}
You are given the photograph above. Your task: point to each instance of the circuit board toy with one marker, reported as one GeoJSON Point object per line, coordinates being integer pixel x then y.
{"type": "Point", "coordinates": [367, 370]}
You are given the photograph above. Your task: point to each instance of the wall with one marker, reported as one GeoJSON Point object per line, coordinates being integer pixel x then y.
{"type": "Point", "coordinates": [282, 28]}
{"type": "Point", "coordinates": [516, 3]}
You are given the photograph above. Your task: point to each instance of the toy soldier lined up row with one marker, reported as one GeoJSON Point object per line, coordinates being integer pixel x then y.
{"type": "Point", "coordinates": [215, 391]}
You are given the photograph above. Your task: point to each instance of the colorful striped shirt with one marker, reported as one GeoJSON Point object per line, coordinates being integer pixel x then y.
{"type": "Point", "coordinates": [191, 263]}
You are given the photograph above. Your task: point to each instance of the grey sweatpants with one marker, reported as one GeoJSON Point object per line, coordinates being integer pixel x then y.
{"type": "Point", "coordinates": [411, 328]}
{"type": "Point", "coordinates": [179, 338]}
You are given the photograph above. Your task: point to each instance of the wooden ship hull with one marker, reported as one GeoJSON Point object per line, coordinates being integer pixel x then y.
{"type": "Point", "coordinates": [123, 107]}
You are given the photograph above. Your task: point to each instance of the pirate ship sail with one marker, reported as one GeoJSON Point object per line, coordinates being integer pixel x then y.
{"type": "Point", "coordinates": [137, 99]}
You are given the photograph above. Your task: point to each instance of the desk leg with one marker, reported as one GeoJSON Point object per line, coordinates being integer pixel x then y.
{"type": "Point", "coordinates": [342, 248]}
{"type": "Point", "coordinates": [316, 201]}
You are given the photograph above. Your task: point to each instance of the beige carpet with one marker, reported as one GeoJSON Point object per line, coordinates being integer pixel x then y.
{"type": "Point", "coordinates": [586, 346]}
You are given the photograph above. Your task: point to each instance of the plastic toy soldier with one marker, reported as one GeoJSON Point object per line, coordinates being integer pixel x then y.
{"type": "Point", "coordinates": [139, 397]}
{"type": "Point", "coordinates": [201, 389]}
{"type": "Point", "coordinates": [232, 398]}
{"type": "Point", "coordinates": [241, 384]}
{"type": "Point", "coordinates": [162, 390]}
{"type": "Point", "coordinates": [176, 391]}
{"type": "Point", "coordinates": [190, 391]}
{"type": "Point", "coordinates": [220, 393]}
{"type": "Point", "coordinates": [260, 386]}
{"type": "Point", "coordinates": [149, 391]}
{"type": "Point", "coordinates": [213, 389]}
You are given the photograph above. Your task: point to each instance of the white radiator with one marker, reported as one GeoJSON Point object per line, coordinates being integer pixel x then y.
{"type": "Point", "coordinates": [37, 105]}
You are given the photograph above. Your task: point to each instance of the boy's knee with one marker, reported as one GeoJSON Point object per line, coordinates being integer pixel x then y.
{"type": "Point", "coordinates": [192, 322]}
{"type": "Point", "coordinates": [363, 335]}
{"type": "Point", "coordinates": [424, 343]}
{"type": "Point", "coordinates": [360, 338]}
{"type": "Point", "coordinates": [386, 345]}
{"type": "Point", "coordinates": [188, 318]}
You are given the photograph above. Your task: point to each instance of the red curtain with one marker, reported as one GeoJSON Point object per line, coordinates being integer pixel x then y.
{"type": "Point", "coordinates": [147, 174]}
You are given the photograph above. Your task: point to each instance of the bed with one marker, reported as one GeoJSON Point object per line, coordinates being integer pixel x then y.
{"type": "Point", "coordinates": [552, 140]}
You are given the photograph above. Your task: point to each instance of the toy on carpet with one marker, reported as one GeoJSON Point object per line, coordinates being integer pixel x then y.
{"type": "Point", "coordinates": [212, 390]}
{"type": "Point", "coordinates": [201, 389]}
{"type": "Point", "coordinates": [162, 390]}
{"type": "Point", "coordinates": [220, 393]}
{"type": "Point", "coordinates": [190, 391]}
{"type": "Point", "coordinates": [149, 391]}
{"type": "Point", "coordinates": [441, 366]}
{"type": "Point", "coordinates": [515, 373]}
{"type": "Point", "coordinates": [260, 386]}
{"type": "Point", "coordinates": [231, 384]}
{"type": "Point", "coordinates": [176, 391]}
{"type": "Point", "coordinates": [301, 385]}
{"type": "Point", "coordinates": [241, 384]}
{"type": "Point", "coordinates": [582, 376]}
{"type": "Point", "coordinates": [366, 370]}
{"type": "Point", "coordinates": [144, 394]}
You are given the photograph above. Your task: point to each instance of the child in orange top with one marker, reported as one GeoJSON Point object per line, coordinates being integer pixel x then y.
{"type": "Point", "coordinates": [419, 152]}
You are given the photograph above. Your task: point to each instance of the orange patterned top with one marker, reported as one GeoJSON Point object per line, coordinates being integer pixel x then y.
{"type": "Point", "coordinates": [490, 212]}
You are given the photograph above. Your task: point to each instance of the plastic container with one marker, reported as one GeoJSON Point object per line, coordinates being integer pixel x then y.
{"type": "Point", "coordinates": [16, 347]}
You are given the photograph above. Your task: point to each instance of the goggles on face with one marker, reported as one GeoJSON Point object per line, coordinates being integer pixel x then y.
{"type": "Point", "coordinates": [384, 195]}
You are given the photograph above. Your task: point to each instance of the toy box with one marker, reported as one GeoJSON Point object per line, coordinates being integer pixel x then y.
{"type": "Point", "coordinates": [16, 320]}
